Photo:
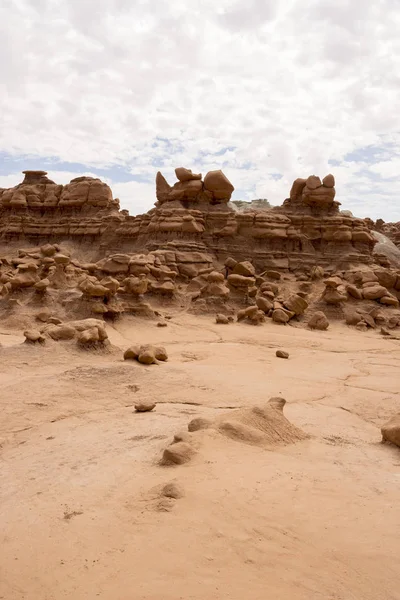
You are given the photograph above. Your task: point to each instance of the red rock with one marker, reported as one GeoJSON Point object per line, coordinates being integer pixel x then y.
{"type": "Point", "coordinates": [186, 174]}
{"type": "Point", "coordinates": [329, 181]}
{"type": "Point", "coordinates": [220, 187]}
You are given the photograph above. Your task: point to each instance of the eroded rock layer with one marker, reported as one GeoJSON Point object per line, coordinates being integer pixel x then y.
{"type": "Point", "coordinates": [193, 219]}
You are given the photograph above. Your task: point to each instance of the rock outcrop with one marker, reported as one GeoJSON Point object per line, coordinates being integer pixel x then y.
{"type": "Point", "coordinates": [192, 219]}
{"type": "Point", "coordinates": [192, 248]}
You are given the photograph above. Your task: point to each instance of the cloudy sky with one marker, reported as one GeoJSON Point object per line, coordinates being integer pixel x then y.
{"type": "Point", "coordinates": [265, 90]}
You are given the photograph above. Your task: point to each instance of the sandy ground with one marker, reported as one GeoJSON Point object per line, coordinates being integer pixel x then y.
{"type": "Point", "coordinates": [81, 516]}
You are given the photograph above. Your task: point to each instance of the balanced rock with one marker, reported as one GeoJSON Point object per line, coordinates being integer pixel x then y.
{"type": "Point", "coordinates": [220, 187]}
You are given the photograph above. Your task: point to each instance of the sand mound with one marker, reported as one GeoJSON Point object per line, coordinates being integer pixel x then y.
{"type": "Point", "coordinates": [263, 425]}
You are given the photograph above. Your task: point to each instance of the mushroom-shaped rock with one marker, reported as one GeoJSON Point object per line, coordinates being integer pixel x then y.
{"type": "Point", "coordinates": [186, 174]}
{"type": "Point", "coordinates": [42, 285]}
{"type": "Point", "coordinates": [61, 259]}
{"type": "Point", "coordinates": [245, 269]}
{"type": "Point", "coordinates": [36, 177]}
{"type": "Point", "coordinates": [241, 281]}
{"type": "Point", "coordinates": [220, 187]}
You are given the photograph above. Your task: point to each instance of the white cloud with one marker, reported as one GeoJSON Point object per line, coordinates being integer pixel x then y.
{"type": "Point", "coordinates": [286, 86]}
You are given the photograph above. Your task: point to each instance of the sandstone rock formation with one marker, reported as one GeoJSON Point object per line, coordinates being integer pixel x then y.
{"type": "Point", "coordinates": [193, 248]}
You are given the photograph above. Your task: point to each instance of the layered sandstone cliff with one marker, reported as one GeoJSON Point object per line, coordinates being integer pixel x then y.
{"type": "Point", "coordinates": [193, 216]}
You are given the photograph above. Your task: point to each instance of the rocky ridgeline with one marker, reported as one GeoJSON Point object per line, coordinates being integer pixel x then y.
{"type": "Point", "coordinates": [193, 216]}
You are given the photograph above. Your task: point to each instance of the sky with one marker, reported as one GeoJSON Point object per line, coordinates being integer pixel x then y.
{"type": "Point", "coordinates": [267, 91]}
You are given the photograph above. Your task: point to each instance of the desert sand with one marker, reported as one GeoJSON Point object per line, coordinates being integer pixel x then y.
{"type": "Point", "coordinates": [83, 508]}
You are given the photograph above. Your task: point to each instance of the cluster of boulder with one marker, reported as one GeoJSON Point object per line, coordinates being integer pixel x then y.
{"type": "Point", "coordinates": [146, 354]}
{"type": "Point", "coordinates": [314, 192]}
{"type": "Point", "coordinates": [86, 332]}
{"type": "Point", "coordinates": [215, 188]}
{"type": "Point", "coordinates": [381, 285]}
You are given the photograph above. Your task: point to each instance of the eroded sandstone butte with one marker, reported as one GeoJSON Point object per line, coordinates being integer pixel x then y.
{"type": "Point", "coordinates": [193, 217]}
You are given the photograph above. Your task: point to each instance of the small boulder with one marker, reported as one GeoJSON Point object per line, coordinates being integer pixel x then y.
{"type": "Point", "coordinates": [132, 353]}
{"type": "Point", "coordinates": [44, 315]}
{"type": "Point", "coordinates": [147, 357]}
{"type": "Point", "coordinates": [198, 424]}
{"type": "Point", "coordinates": [178, 454]}
{"type": "Point", "coordinates": [282, 354]}
{"type": "Point", "coordinates": [145, 406]}
{"type": "Point", "coordinates": [354, 292]}
{"type": "Point", "coordinates": [61, 332]}
{"type": "Point", "coordinates": [264, 304]}
{"type": "Point", "coordinates": [173, 490]}
{"type": "Point", "coordinates": [296, 304]}
{"type": "Point", "coordinates": [374, 292]}
{"type": "Point", "coordinates": [318, 321]}
{"type": "Point", "coordinates": [222, 319]}
{"type": "Point", "coordinates": [280, 316]}
{"type": "Point", "coordinates": [33, 336]}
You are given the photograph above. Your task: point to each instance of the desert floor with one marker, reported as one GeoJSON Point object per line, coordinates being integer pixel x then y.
{"type": "Point", "coordinates": [81, 513]}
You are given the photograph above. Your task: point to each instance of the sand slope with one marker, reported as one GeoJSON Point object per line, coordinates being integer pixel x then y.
{"type": "Point", "coordinates": [82, 513]}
